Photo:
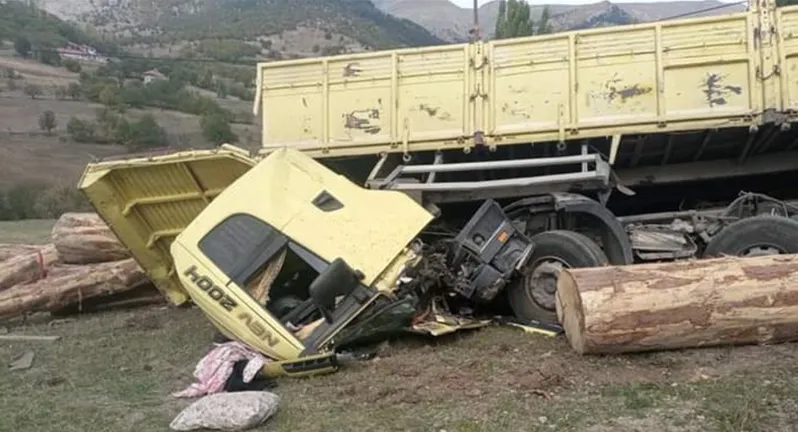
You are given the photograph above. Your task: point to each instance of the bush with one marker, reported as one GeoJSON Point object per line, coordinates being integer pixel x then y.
{"type": "Point", "coordinates": [47, 121]}
{"type": "Point", "coordinates": [50, 57]}
{"type": "Point", "coordinates": [57, 200]}
{"type": "Point", "coordinates": [74, 91]}
{"type": "Point", "coordinates": [35, 200]}
{"type": "Point", "coordinates": [20, 201]}
{"type": "Point", "coordinates": [143, 134]}
{"type": "Point", "coordinates": [72, 66]}
{"type": "Point", "coordinates": [61, 93]}
{"type": "Point", "coordinates": [81, 131]}
{"type": "Point", "coordinates": [216, 129]}
{"type": "Point", "coordinates": [22, 46]}
{"type": "Point", "coordinates": [33, 90]}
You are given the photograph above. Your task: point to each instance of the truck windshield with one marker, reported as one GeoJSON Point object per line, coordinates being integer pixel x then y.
{"type": "Point", "coordinates": [274, 270]}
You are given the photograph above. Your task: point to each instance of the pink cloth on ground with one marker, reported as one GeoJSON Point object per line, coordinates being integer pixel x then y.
{"type": "Point", "coordinates": [215, 368]}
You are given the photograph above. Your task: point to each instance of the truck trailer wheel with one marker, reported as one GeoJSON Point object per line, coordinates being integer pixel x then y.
{"type": "Point", "coordinates": [758, 235]}
{"type": "Point", "coordinates": [532, 295]}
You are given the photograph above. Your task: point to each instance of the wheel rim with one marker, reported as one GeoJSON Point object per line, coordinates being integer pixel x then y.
{"type": "Point", "coordinates": [762, 250]}
{"type": "Point", "coordinates": [540, 281]}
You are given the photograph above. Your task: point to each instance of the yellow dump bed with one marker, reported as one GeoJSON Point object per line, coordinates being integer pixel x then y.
{"type": "Point", "coordinates": [688, 74]}
{"type": "Point", "coordinates": [148, 201]}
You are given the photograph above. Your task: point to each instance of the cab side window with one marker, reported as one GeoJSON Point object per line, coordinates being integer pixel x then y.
{"type": "Point", "coordinates": [240, 245]}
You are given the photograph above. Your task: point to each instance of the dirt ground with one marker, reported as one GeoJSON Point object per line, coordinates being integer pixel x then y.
{"type": "Point", "coordinates": [115, 371]}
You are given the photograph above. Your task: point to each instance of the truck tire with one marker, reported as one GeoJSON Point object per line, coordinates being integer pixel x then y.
{"type": "Point", "coordinates": [531, 296]}
{"type": "Point", "coordinates": [758, 235]}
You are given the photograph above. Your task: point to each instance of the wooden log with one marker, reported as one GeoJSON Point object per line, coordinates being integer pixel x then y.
{"type": "Point", "coordinates": [9, 251]}
{"type": "Point", "coordinates": [144, 295]}
{"type": "Point", "coordinates": [724, 301]}
{"type": "Point", "coordinates": [27, 268]}
{"type": "Point", "coordinates": [84, 238]}
{"type": "Point", "coordinates": [68, 287]}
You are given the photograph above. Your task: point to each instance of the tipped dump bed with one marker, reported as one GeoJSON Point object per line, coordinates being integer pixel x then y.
{"type": "Point", "coordinates": [148, 201]}
{"type": "Point", "coordinates": [695, 74]}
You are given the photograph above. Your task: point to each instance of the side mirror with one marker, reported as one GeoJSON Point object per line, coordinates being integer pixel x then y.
{"type": "Point", "coordinates": [338, 279]}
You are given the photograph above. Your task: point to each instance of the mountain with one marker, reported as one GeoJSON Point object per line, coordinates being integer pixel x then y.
{"type": "Point", "coordinates": [451, 22]}
{"type": "Point", "coordinates": [307, 23]}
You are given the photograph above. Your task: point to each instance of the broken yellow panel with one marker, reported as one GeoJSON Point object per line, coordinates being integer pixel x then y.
{"type": "Point", "coordinates": [148, 201]}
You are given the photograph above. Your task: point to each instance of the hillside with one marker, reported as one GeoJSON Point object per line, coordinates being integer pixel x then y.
{"type": "Point", "coordinates": [43, 30]}
{"type": "Point", "coordinates": [261, 23]}
{"type": "Point", "coordinates": [451, 23]}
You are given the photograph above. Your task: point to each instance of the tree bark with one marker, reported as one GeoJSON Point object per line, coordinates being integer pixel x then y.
{"type": "Point", "coordinates": [9, 251]}
{"type": "Point", "coordinates": [144, 295]}
{"type": "Point", "coordinates": [724, 301]}
{"type": "Point", "coordinates": [83, 238]}
{"type": "Point", "coordinates": [27, 267]}
{"type": "Point", "coordinates": [66, 287]}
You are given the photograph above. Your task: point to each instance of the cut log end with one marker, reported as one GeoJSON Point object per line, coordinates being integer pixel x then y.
{"type": "Point", "coordinates": [573, 321]}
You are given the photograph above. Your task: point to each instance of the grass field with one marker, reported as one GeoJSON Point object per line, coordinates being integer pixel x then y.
{"type": "Point", "coordinates": [28, 231]}
{"type": "Point", "coordinates": [115, 372]}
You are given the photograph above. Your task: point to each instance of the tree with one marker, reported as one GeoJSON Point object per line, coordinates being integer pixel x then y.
{"type": "Point", "coordinates": [50, 57]}
{"type": "Point", "coordinates": [216, 129]}
{"type": "Point", "coordinates": [47, 121]}
{"type": "Point", "coordinates": [221, 89]}
{"type": "Point", "coordinates": [515, 20]}
{"type": "Point", "coordinates": [145, 133]}
{"type": "Point", "coordinates": [33, 90]}
{"type": "Point", "coordinates": [22, 46]}
{"type": "Point", "coordinates": [74, 91]}
{"type": "Point", "coordinates": [72, 66]}
{"type": "Point", "coordinates": [108, 95]}
{"type": "Point", "coordinates": [80, 131]}
{"type": "Point", "coordinates": [61, 93]}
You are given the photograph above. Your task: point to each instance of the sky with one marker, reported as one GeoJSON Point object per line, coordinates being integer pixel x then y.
{"type": "Point", "coordinates": [469, 3]}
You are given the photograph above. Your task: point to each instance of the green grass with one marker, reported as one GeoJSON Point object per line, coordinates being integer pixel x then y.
{"type": "Point", "coordinates": [27, 231]}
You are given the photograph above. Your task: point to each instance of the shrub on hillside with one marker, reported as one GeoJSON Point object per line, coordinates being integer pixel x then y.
{"type": "Point", "coordinates": [72, 66]}
{"type": "Point", "coordinates": [36, 200]}
{"type": "Point", "coordinates": [20, 201]}
{"type": "Point", "coordinates": [47, 121]}
{"type": "Point", "coordinates": [216, 129]}
{"type": "Point", "coordinates": [74, 91]}
{"type": "Point", "coordinates": [57, 200]}
{"type": "Point", "coordinates": [22, 46]}
{"type": "Point", "coordinates": [33, 90]}
{"type": "Point", "coordinates": [81, 131]}
{"type": "Point", "coordinates": [142, 135]}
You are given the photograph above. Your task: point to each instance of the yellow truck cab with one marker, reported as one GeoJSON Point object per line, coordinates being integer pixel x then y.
{"type": "Point", "coordinates": [292, 254]}
{"type": "Point", "coordinates": [290, 217]}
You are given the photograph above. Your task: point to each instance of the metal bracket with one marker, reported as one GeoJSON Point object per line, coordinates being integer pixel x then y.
{"type": "Point", "coordinates": [600, 173]}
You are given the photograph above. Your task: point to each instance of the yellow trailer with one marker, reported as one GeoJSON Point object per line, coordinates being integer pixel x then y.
{"type": "Point", "coordinates": [706, 94]}
{"type": "Point", "coordinates": [688, 74]}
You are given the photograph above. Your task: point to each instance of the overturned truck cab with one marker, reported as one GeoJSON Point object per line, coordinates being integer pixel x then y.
{"type": "Point", "coordinates": [297, 261]}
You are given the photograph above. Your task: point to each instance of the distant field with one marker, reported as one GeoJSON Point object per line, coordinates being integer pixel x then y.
{"type": "Point", "coordinates": [27, 154]}
{"type": "Point", "coordinates": [36, 73]}
{"type": "Point", "coordinates": [27, 232]}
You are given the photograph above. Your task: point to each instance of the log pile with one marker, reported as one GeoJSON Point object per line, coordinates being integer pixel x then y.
{"type": "Point", "coordinates": [85, 268]}
{"type": "Point", "coordinates": [724, 301]}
